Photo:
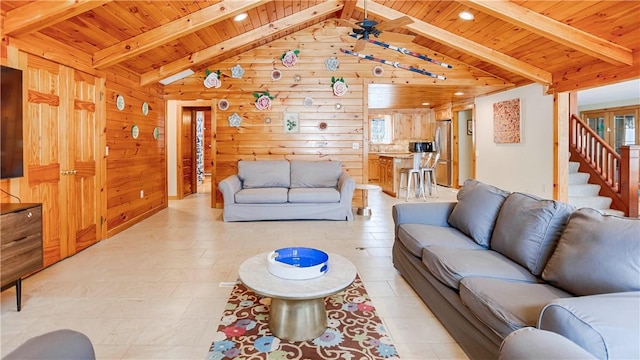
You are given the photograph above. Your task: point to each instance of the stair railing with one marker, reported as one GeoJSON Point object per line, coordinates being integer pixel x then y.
{"type": "Point", "coordinates": [617, 175]}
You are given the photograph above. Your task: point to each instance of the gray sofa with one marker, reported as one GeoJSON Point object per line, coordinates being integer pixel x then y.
{"type": "Point", "coordinates": [494, 262]}
{"type": "Point", "coordinates": [288, 190]}
{"type": "Point", "coordinates": [59, 344]}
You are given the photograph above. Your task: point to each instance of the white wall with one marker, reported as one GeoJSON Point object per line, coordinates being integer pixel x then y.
{"type": "Point", "coordinates": [465, 147]}
{"type": "Point", "coordinates": [527, 166]}
{"type": "Point", "coordinates": [171, 129]}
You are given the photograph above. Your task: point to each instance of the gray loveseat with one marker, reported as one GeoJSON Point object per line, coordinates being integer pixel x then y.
{"type": "Point", "coordinates": [494, 262]}
{"type": "Point", "coordinates": [287, 190]}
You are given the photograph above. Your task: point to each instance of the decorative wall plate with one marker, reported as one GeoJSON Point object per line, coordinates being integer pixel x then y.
{"type": "Point", "coordinates": [276, 75]}
{"type": "Point", "coordinates": [322, 126]}
{"type": "Point", "coordinates": [156, 133]}
{"type": "Point", "coordinates": [332, 63]}
{"type": "Point", "coordinates": [307, 102]}
{"type": "Point", "coordinates": [237, 72]}
{"type": "Point", "coordinates": [120, 102]}
{"type": "Point", "coordinates": [378, 70]}
{"type": "Point", "coordinates": [135, 131]}
{"type": "Point", "coordinates": [234, 120]}
{"type": "Point", "coordinates": [223, 104]}
{"type": "Point", "coordinates": [145, 108]}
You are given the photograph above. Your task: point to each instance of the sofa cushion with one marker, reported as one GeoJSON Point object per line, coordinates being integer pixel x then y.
{"type": "Point", "coordinates": [415, 237]}
{"type": "Point", "coordinates": [450, 265]}
{"type": "Point", "coordinates": [305, 174]}
{"type": "Point", "coordinates": [533, 344]}
{"type": "Point", "coordinates": [477, 210]}
{"type": "Point", "coordinates": [506, 305]}
{"type": "Point", "coordinates": [528, 229]}
{"type": "Point", "coordinates": [262, 196]}
{"type": "Point", "coordinates": [314, 195]}
{"type": "Point", "coordinates": [606, 325]}
{"type": "Point", "coordinates": [264, 174]}
{"type": "Point", "coordinates": [596, 254]}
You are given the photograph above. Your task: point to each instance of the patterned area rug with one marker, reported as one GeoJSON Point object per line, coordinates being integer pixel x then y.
{"type": "Point", "coordinates": [354, 330]}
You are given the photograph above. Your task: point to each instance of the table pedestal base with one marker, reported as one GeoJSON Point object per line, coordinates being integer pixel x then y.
{"type": "Point", "coordinates": [297, 320]}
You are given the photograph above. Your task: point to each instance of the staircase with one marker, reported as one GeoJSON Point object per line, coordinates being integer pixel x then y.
{"type": "Point", "coordinates": [583, 194]}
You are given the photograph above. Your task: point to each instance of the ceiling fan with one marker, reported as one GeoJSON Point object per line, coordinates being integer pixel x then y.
{"type": "Point", "coordinates": [364, 29]}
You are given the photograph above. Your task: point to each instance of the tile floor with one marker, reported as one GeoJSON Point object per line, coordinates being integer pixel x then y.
{"type": "Point", "coordinates": [153, 291]}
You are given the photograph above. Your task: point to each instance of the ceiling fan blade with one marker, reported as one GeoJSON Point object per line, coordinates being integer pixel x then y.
{"type": "Point", "coordinates": [399, 22]}
{"type": "Point", "coordinates": [343, 22]}
{"type": "Point", "coordinates": [388, 36]}
{"type": "Point", "coordinates": [360, 44]}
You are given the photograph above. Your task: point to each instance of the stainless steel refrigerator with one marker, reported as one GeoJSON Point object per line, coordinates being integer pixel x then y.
{"type": "Point", "coordinates": [444, 139]}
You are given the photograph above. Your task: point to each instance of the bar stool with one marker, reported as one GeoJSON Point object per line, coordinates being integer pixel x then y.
{"type": "Point", "coordinates": [430, 172]}
{"type": "Point", "coordinates": [414, 174]}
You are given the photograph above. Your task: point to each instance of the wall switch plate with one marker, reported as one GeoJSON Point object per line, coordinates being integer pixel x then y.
{"type": "Point", "coordinates": [355, 146]}
{"type": "Point", "coordinates": [141, 194]}
{"type": "Point", "coordinates": [106, 151]}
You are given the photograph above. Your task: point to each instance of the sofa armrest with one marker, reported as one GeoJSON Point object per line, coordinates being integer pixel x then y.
{"type": "Point", "coordinates": [532, 344]}
{"type": "Point", "coordinates": [346, 187]}
{"type": "Point", "coordinates": [606, 325]}
{"type": "Point", "coordinates": [423, 213]}
{"type": "Point", "coordinates": [229, 187]}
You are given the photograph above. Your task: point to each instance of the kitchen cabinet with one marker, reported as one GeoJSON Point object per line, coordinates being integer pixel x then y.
{"type": "Point", "coordinates": [387, 175]}
{"type": "Point", "coordinates": [374, 168]}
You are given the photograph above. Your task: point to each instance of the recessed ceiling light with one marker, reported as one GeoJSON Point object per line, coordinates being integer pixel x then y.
{"type": "Point", "coordinates": [465, 15]}
{"type": "Point", "coordinates": [425, 103]}
{"type": "Point", "coordinates": [240, 17]}
{"type": "Point", "coordinates": [459, 93]}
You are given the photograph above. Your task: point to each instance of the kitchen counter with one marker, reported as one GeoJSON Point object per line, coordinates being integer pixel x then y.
{"type": "Point", "coordinates": [397, 155]}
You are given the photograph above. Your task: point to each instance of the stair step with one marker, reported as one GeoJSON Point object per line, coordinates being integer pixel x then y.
{"type": "Point", "coordinates": [578, 178]}
{"type": "Point", "coordinates": [584, 190]}
{"type": "Point", "coordinates": [573, 166]}
{"type": "Point", "coordinates": [594, 202]}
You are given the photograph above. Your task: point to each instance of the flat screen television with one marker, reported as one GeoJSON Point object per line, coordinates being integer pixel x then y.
{"type": "Point", "coordinates": [11, 142]}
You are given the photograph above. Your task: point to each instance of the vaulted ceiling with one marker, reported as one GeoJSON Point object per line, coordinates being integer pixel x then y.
{"type": "Point", "coordinates": [564, 45]}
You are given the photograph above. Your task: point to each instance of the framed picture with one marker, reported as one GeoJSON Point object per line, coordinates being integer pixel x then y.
{"type": "Point", "coordinates": [506, 122]}
{"type": "Point", "coordinates": [470, 127]}
{"type": "Point", "coordinates": [291, 123]}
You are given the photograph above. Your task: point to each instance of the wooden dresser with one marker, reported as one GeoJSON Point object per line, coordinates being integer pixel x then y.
{"type": "Point", "coordinates": [21, 244]}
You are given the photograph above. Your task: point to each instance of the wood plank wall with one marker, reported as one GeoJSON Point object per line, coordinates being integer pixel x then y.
{"type": "Point", "coordinates": [134, 165]}
{"type": "Point", "coordinates": [261, 135]}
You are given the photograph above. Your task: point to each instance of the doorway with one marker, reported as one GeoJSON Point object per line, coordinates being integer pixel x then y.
{"type": "Point", "coordinates": [195, 154]}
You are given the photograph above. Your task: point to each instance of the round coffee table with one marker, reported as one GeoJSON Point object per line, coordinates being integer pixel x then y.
{"type": "Point", "coordinates": [297, 310]}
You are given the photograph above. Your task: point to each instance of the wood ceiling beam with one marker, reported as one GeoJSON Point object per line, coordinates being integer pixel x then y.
{"type": "Point", "coordinates": [462, 44]}
{"type": "Point", "coordinates": [247, 38]}
{"type": "Point", "coordinates": [176, 29]}
{"type": "Point", "coordinates": [37, 15]}
{"type": "Point", "coordinates": [554, 30]}
{"type": "Point", "coordinates": [347, 10]}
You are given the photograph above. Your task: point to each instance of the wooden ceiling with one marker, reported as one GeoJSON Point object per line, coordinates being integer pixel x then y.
{"type": "Point", "coordinates": [564, 45]}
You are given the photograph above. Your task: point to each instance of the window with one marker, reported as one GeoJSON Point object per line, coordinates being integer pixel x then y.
{"type": "Point", "coordinates": [381, 130]}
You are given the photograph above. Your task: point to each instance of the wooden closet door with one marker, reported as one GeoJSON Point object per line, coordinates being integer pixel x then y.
{"type": "Point", "coordinates": [62, 136]}
{"type": "Point", "coordinates": [82, 183]}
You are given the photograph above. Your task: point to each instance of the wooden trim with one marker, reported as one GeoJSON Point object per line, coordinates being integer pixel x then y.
{"type": "Point", "coordinates": [462, 44]}
{"type": "Point", "coordinates": [202, 56]}
{"type": "Point", "coordinates": [561, 103]}
{"type": "Point", "coordinates": [101, 156]}
{"type": "Point", "coordinates": [555, 30]}
{"type": "Point", "coordinates": [176, 29]}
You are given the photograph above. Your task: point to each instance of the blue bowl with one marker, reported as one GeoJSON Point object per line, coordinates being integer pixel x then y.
{"type": "Point", "coordinates": [298, 263]}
